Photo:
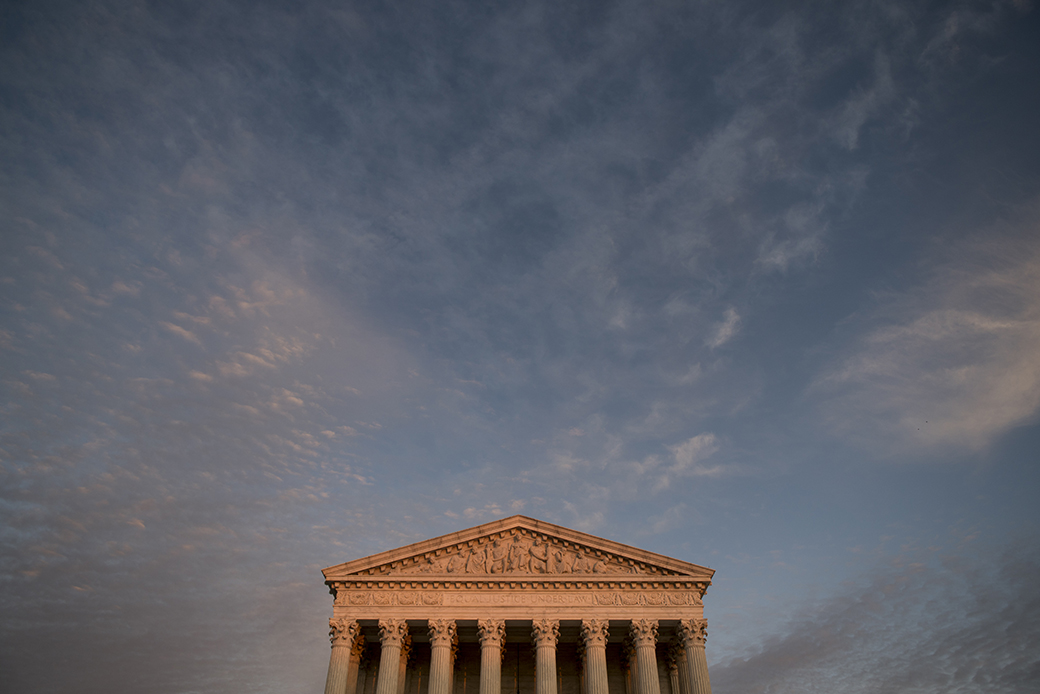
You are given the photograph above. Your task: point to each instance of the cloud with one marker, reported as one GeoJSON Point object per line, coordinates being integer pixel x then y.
{"type": "Point", "coordinates": [181, 332]}
{"type": "Point", "coordinates": [865, 103]}
{"type": "Point", "coordinates": [689, 454]}
{"type": "Point", "coordinates": [599, 466]}
{"type": "Point", "coordinates": [724, 331]}
{"type": "Point", "coordinates": [952, 362]}
{"type": "Point", "coordinates": [965, 22]}
{"type": "Point", "coordinates": [964, 622]}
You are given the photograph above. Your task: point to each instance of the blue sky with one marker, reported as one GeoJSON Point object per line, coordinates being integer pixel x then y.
{"type": "Point", "coordinates": [753, 285]}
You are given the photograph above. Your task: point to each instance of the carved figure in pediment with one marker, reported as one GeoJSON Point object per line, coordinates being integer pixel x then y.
{"type": "Point", "coordinates": [499, 555]}
{"type": "Point", "coordinates": [580, 565]}
{"type": "Point", "coordinates": [522, 554]}
{"type": "Point", "coordinates": [455, 564]}
{"type": "Point", "coordinates": [519, 558]}
{"type": "Point", "coordinates": [539, 558]}
{"type": "Point", "coordinates": [559, 564]}
{"type": "Point", "coordinates": [476, 563]}
{"type": "Point", "coordinates": [429, 565]}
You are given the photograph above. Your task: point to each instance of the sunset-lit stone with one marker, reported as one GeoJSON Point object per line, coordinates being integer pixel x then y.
{"type": "Point", "coordinates": [534, 608]}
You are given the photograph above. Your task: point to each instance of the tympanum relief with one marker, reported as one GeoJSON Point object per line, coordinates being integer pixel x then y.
{"type": "Point", "coordinates": [516, 553]}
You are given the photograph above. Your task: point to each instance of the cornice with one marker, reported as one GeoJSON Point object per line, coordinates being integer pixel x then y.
{"type": "Point", "coordinates": [527, 583]}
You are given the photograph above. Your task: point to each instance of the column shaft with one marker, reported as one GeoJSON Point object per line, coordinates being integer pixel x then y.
{"type": "Point", "coordinates": [672, 661]}
{"type": "Point", "coordinates": [594, 634]}
{"type": "Point", "coordinates": [442, 635]}
{"type": "Point", "coordinates": [343, 633]}
{"type": "Point", "coordinates": [402, 672]}
{"type": "Point", "coordinates": [545, 632]}
{"type": "Point", "coordinates": [694, 632]}
{"type": "Point", "coordinates": [392, 633]}
{"type": "Point", "coordinates": [492, 634]}
{"type": "Point", "coordinates": [645, 636]}
{"type": "Point", "coordinates": [362, 679]}
{"type": "Point", "coordinates": [699, 681]}
{"type": "Point", "coordinates": [389, 668]}
{"type": "Point", "coordinates": [684, 672]}
{"type": "Point", "coordinates": [632, 667]}
{"type": "Point", "coordinates": [339, 663]}
{"type": "Point", "coordinates": [354, 666]}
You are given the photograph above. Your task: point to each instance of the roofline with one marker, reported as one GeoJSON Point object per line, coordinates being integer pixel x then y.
{"type": "Point", "coordinates": [517, 521]}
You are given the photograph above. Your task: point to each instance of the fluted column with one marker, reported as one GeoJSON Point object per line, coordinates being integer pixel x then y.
{"type": "Point", "coordinates": [392, 634]}
{"type": "Point", "coordinates": [644, 634]}
{"type": "Point", "coordinates": [671, 661]}
{"type": "Point", "coordinates": [343, 662]}
{"type": "Point", "coordinates": [545, 633]}
{"type": "Point", "coordinates": [357, 652]}
{"type": "Point", "coordinates": [683, 668]}
{"type": "Point", "coordinates": [442, 635]}
{"type": "Point", "coordinates": [693, 633]}
{"type": "Point", "coordinates": [492, 634]}
{"type": "Point", "coordinates": [402, 671]}
{"type": "Point", "coordinates": [628, 649]}
{"type": "Point", "coordinates": [363, 673]}
{"type": "Point", "coordinates": [594, 637]}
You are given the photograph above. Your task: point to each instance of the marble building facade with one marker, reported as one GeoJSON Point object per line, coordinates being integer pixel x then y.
{"type": "Point", "coordinates": [518, 606]}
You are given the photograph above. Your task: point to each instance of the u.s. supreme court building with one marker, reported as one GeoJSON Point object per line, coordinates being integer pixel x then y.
{"type": "Point", "coordinates": [517, 606]}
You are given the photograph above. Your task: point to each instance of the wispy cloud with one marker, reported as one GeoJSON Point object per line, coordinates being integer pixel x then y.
{"type": "Point", "coordinates": [954, 362]}
{"type": "Point", "coordinates": [723, 332]}
{"type": "Point", "coordinates": [926, 622]}
{"type": "Point", "coordinates": [691, 453]}
{"type": "Point", "coordinates": [180, 332]}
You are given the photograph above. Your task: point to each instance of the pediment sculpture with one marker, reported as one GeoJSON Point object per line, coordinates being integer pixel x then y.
{"type": "Point", "coordinates": [517, 552]}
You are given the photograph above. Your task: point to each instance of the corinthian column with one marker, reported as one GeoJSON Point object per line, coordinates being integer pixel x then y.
{"type": "Point", "coordinates": [492, 634]}
{"type": "Point", "coordinates": [594, 636]}
{"type": "Point", "coordinates": [545, 633]}
{"type": "Point", "coordinates": [682, 667]}
{"type": "Point", "coordinates": [442, 635]}
{"type": "Point", "coordinates": [343, 663]}
{"type": "Point", "coordinates": [628, 649]}
{"type": "Point", "coordinates": [692, 634]}
{"type": "Point", "coordinates": [671, 661]}
{"type": "Point", "coordinates": [392, 634]}
{"type": "Point", "coordinates": [402, 672]}
{"type": "Point", "coordinates": [644, 634]}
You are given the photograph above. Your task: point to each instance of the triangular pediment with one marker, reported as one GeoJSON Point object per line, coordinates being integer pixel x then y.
{"type": "Point", "coordinates": [518, 546]}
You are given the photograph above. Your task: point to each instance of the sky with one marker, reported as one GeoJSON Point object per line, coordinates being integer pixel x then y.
{"type": "Point", "coordinates": [755, 285]}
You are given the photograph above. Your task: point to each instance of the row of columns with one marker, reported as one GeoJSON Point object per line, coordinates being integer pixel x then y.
{"type": "Point", "coordinates": [689, 670]}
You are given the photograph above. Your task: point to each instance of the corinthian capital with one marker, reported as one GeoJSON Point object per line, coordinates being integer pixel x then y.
{"type": "Point", "coordinates": [406, 646]}
{"type": "Point", "coordinates": [594, 632]}
{"type": "Point", "coordinates": [674, 656]}
{"type": "Point", "coordinates": [492, 632]}
{"type": "Point", "coordinates": [644, 632]}
{"type": "Point", "coordinates": [693, 632]}
{"type": "Point", "coordinates": [545, 632]}
{"type": "Point", "coordinates": [392, 632]}
{"type": "Point", "coordinates": [442, 632]}
{"type": "Point", "coordinates": [343, 631]}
